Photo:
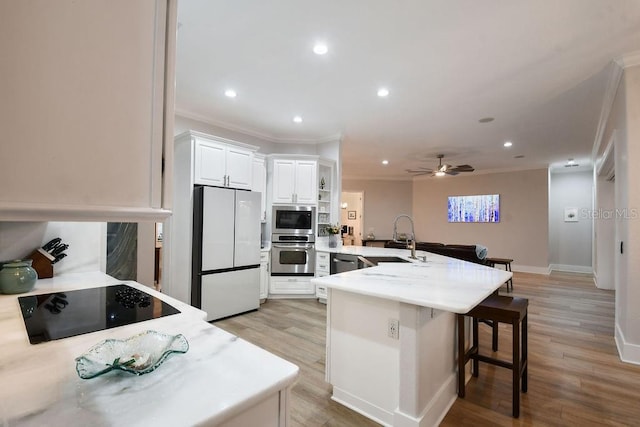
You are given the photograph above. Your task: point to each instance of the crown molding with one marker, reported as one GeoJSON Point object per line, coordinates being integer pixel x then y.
{"type": "Point", "coordinates": [255, 133]}
{"type": "Point", "coordinates": [631, 59]}
{"type": "Point", "coordinates": [615, 75]}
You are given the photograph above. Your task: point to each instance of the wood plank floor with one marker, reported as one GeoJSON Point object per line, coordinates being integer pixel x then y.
{"type": "Point", "coordinates": [575, 375]}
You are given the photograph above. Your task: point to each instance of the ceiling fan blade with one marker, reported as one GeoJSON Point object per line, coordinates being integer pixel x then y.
{"type": "Point", "coordinates": [451, 171]}
{"type": "Point", "coordinates": [464, 168]}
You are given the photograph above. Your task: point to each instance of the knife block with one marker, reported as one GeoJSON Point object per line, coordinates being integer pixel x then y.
{"type": "Point", "coordinates": [42, 263]}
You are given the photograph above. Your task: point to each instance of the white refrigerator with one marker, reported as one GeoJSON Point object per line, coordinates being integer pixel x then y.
{"type": "Point", "coordinates": [226, 251]}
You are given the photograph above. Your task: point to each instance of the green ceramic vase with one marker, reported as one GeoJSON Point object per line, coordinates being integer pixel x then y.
{"type": "Point", "coordinates": [17, 277]}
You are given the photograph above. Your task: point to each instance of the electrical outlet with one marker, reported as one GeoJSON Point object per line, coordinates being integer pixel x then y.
{"type": "Point", "coordinates": [393, 329]}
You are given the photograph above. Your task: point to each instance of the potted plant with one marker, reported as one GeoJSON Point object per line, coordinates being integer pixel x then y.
{"type": "Point", "coordinates": [333, 231]}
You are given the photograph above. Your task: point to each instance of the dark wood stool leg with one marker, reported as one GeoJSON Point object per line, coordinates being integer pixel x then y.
{"type": "Point", "coordinates": [525, 361]}
{"type": "Point", "coordinates": [461, 355]}
{"type": "Point", "coordinates": [475, 345]}
{"type": "Point", "coordinates": [516, 368]}
{"type": "Point", "coordinates": [510, 281]}
{"type": "Point", "coordinates": [494, 336]}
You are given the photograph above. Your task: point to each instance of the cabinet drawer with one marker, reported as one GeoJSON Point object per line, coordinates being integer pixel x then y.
{"type": "Point", "coordinates": [264, 257]}
{"type": "Point", "coordinates": [321, 291]}
{"type": "Point", "coordinates": [291, 285]}
{"type": "Point", "coordinates": [322, 264]}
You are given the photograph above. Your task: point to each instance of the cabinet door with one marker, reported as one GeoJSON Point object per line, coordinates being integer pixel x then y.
{"type": "Point", "coordinates": [209, 163]}
{"type": "Point", "coordinates": [83, 107]}
{"type": "Point", "coordinates": [259, 184]}
{"type": "Point", "coordinates": [239, 168]}
{"type": "Point", "coordinates": [284, 174]}
{"type": "Point", "coordinates": [306, 186]}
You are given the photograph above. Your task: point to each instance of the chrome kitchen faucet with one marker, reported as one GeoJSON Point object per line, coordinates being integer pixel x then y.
{"type": "Point", "coordinates": [409, 240]}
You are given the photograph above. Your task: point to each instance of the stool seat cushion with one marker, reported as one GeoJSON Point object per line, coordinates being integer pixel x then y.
{"type": "Point", "coordinates": [501, 308]}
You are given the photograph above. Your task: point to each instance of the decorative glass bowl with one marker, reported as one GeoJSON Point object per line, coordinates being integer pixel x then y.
{"type": "Point", "coordinates": [139, 354]}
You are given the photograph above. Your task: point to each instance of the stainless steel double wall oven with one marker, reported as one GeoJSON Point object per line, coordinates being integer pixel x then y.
{"type": "Point", "coordinates": [292, 241]}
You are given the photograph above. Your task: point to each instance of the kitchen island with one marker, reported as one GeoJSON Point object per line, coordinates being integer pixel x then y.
{"type": "Point", "coordinates": [391, 336]}
{"type": "Point", "coordinates": [221, 380]}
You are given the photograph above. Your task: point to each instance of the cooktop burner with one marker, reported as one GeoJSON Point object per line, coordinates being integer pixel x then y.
{"type": "Point", "coordinates": [65, 314]}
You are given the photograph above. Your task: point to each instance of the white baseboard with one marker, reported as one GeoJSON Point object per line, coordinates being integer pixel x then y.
{"type": "Point", "coordinates": [629, 353]}
{"type": "Point", "coordinates": [373, 412]}
{"type": "Point", "coordinates": [291, 296]}
{"type": "Point", "coordinates": [436, 410]}
{"type": "Point", "coordinates": [599, 285]}
{"type": "Point", "coordinates": [530, 269]}
{"type": "Point", "coordinates": [571, 268]}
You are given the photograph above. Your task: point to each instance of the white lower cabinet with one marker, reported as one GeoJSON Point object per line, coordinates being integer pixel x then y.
{"type": "Point", "coordinates": [323, 268]}
{"type": "Point", "coordinates": [264, 275]}
{"type": "Point", "coordinates": [291, 285]}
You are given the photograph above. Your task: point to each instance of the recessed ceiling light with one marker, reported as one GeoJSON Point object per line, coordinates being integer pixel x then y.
{"type": "Point", "coordinates": [439, 173]}
{"type": "Point", "coordinates": [571, 162]}
{"type": "Point", "coordinates": [486, 119]}
{"type": "Point", "coordinates": [297, 119]}
{"type": "Point", "coordinates": [320, 49]}
{"type": "Point", "coordinates": [385, 162]}
{"type": "Point", "coordinates": [383, 92]}
{"type": "Point", "coordinates": [230, 93]}
{"type": "Point", "coordinates": [508, 144]}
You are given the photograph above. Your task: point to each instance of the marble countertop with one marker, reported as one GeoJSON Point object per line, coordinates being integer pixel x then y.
{"type": "Point", "coordinates": [219, 377]}
{"type": "Point", "coordinates": [441, 282]}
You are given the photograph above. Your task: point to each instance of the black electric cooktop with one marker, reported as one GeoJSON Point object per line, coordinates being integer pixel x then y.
{"type": "Point", "coordinates": [65, 314]}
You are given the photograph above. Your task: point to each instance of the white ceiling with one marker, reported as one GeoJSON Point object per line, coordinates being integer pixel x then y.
{"type": "Point", "coordinates": [539, 67]}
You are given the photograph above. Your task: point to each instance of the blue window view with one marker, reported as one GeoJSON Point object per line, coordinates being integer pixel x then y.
{"type": "Point", "coordinates": [485, 208]}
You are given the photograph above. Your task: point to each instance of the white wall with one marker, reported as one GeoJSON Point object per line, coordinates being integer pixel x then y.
{"type": "Point", "coordinates": [570, 242]}
{"type": "Point", "coordinates": [624, 122]}
{"type": "Point", "coordinates": [628, 200]}
{"type": "Point", "coordinates": [87, 243]}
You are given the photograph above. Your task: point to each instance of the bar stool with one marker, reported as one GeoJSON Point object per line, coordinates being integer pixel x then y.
{"type": "Point", "coordinates": [504, 309]}
{"type": "Point", "coordinates": [507, 266]}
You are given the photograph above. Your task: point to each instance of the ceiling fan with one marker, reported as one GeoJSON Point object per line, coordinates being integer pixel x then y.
{"type": "Point", "coordinates": [442, 170]}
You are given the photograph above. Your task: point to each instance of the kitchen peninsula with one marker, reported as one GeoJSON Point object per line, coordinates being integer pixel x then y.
{"type": "Point", "coordinates": [220, 380]}
{"type": "Point", "coordinates": [391, 336]}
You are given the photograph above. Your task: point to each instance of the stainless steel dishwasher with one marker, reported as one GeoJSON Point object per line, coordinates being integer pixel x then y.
{"type": "Point", "coordinates": [344, 262]}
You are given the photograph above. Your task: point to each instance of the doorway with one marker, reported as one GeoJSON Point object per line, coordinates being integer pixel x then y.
{"type": "Point", "coordinates": [351, 217]}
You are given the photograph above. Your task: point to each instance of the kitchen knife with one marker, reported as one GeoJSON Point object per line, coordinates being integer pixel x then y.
{"type": "Point", "coordinates": [51, 244]}
{"type": "Point", "coordinates": [58, 258]}
{"type": "Point", "coordinates": [59, 249]}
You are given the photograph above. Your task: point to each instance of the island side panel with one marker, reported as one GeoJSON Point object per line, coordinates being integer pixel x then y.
{"type": "Point", "coordinates": [363, 359]}
{"type": "Point", "coordinates": [428, 368]}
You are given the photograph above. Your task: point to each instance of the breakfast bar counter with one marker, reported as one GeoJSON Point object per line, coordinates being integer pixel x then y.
{"type": "Point", "coordinates": [391, 335]}
{"type": "Point", "coordinates": [220, 380]}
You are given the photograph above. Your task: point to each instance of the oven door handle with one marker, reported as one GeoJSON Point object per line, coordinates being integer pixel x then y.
{"type": "Point", "coordinates": [293, 246]}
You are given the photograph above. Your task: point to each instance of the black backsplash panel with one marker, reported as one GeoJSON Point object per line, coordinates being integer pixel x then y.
{"type": "Point", "coordinates": [122, 250]}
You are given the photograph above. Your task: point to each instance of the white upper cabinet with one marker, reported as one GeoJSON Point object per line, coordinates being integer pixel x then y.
{"type": "Point", "coordinates": [87, 109]}
{"type": "Point", "coordinates": [239, 168]}
{"type": "Point", "coordinates": [222, 165]}
{"type": "Point", "coordinates": [210, 163]}
{"type": "Point", "coordinates": [306, 182]}
{"type": "Point", "coordinates": [295, 181]}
